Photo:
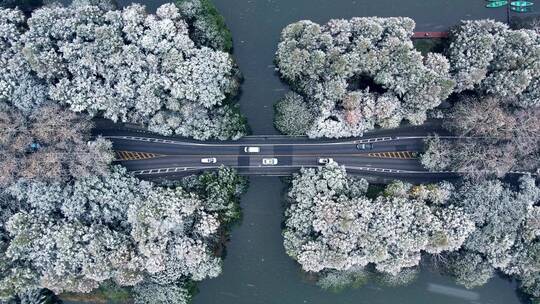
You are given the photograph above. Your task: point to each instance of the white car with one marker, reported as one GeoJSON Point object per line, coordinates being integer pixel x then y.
{"type": "Point", "coordinates": [324, 161]}
{"type": "Point", "coordinates": [269, 161]}
{"type": "Point", "coordinates": [252, 149]}
{"type": "Point", "coordinates": [209, 160]}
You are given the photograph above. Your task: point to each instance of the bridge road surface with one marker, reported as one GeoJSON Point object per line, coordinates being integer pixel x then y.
{"type": "Point", "coordinates": [393, 155]}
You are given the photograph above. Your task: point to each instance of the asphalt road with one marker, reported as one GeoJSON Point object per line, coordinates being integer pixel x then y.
{"type": "Point", "coordinates": [393, 154]}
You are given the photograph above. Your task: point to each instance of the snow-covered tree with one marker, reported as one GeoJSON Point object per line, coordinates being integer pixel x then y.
{"type": "Point", "coordinates": [159, 225]}
{"type": "Point", "coordinates": [404, 277]}
{"type": "Point", "coordinates": [293, 115]}
{"type": "Point", "coordinates": [207, 26]}
{"type": "Point", "coordinates": [221, 190]}
{"type": "Point", "coordinates": [152, 293]}
{"type": "Point", "coordinates": [338, 280]}
{"type": "Point", "coordinates": [495, 139]}
{"type": "Point", "coordinates": [74, 237]}
{"type": "Point", "coordinates": [488, 56]}
{"type": "Point", "coordinates": [18, 84]}
{"type": "Point", "coordinates": [130, 66]}
{"type": "Point", "coordinates": [361, 72]}
{"type": "Point", "coordinates": [437, 154]}
{"type": "Point", "coordinates": [327, 228]}
{"type": "Point", "coordinates": [506, 235]}
{"type": "Point", "coordinates": [107, 5]}
{"type": "Point", "coordinates": [470, 269]}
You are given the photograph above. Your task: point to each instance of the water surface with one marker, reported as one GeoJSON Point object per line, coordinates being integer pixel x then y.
{"type": "Point", "coordinates": [256, 268]}
{"type": "Point", "coordinates": [256, 26]}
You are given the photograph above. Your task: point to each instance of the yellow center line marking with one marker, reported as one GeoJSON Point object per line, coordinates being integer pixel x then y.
{"type": "Point", "coordinates": [394, 154]}
{"type": "Point", "coordinates": [131, 155]}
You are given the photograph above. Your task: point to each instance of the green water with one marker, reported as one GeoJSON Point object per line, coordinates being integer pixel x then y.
{"type": "Point", "coordinates": [256, 268]}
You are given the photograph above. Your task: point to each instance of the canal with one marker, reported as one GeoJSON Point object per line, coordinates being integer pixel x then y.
{"type": "Point", "coordinates": [256, 269]}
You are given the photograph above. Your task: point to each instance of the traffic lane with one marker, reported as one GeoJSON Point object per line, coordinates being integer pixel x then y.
{"type": "Point", "coordinates": [359, 161]}
{"type": "Point", "coordinates": [120, 144]}
{"type": "Point", "coordinates": [376, 176]}
{"type": "Point", "coordinates": [254, 140]}
{"type": "Point", "coordinates": [178, 161]}
{"type": "Point", "coordinates": [194, 161]}
{"type": "Point", "coordinates": [179, 148]}
{"type": "Point", "coordinates": [184, 148]}
{"type": "Point", "coordinates": [298, 161]}
{"type": "Point", "coordinates": [314, 148]}
{"type": "Point", "coordinates": [255, 162]}
{"type": "Point", "coordinates": [414, 145]}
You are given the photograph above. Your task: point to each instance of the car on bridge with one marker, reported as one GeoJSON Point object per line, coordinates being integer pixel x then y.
{"type": "Point", "coordinates": [269, 161]}
{"type": "Point", "coordinates": [252, 149]}
{"type": "Point", "coordinates": [367, 146]}
{"type": "Point", "coordinates": [324, 161]}
{"type": "Point", "coordinates": [209, 160]}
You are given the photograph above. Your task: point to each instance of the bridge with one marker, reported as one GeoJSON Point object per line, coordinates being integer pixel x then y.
{"type": "Point", "coordinates": [390, 154]}
{"type": "Point", "coordinates": [429, 35]}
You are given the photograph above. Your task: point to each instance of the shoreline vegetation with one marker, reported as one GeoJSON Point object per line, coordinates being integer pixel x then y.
{"type": "Point", "coordinates": [207, 26]}
{"type": "Point", "coordinates": [207, 185]}
{"type": "Point", "coordinates": [492, 105]}
{"type": "Point", "coordinates": [344, 234]}
{"type": "Point", "coordinates": [87, 230]}
{"type": "Point", "coordinates": [73, 224]}
{"type": "Point", "coordinates": [351, 76]}
{"type": "Point", "coordinates": [161, 71]}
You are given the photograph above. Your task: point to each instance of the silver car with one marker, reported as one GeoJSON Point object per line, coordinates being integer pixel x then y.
{"type": "Point", "coordinates": [209, 160]}
{"type": "Point", "coordinates": [364, 146]}
{"type": "Point", "coordinates": [269, 161]}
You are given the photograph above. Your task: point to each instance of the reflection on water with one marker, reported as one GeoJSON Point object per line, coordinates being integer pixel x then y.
{"type": "Point", "coordinates": [460, 293]}
{"type": "Point", "coordinates": [256, 269]}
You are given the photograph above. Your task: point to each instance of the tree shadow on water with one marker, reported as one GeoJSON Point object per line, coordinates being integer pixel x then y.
{"type": "Point", "coordinates": [27, 6]}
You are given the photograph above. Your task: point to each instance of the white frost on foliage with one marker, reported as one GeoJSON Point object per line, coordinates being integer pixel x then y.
{"type": "Point", "coordinates": [328, 228]}
{"type": "Point", "coordinates": [329, 63]}
{"type": "Point", "coordinates": [130, 66]}
{"type": "Point", "coordinates": [72, 238]}
{"type": "Point", "coordinates": [17, 83]}
{"type": "Point", "coordinates": [487, 55]}
{"type": "Point", "coordinates": [507, 227]}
